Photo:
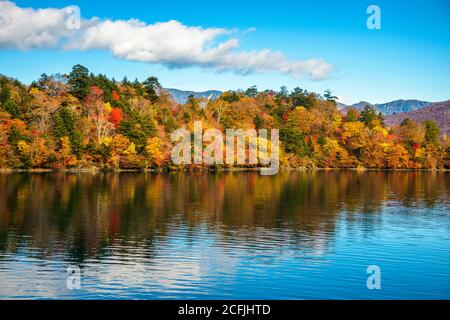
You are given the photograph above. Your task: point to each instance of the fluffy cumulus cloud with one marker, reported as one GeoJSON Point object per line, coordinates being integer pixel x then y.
{"type": "Point", "coordinates": [171, 43]}
{"type": "Point", "coordinates": [27, 28]}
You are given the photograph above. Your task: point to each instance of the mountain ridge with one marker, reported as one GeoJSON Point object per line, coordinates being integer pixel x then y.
{"type": "Point", "coordinates": [392, 107]}
{"type": "Point", "coordinates": [181, 96]}
{"type": "Point", "coordinates": [439, 112]}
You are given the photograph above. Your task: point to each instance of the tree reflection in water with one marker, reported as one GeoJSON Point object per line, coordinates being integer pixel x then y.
{"type": "Point", "coordinates": [82, 214]}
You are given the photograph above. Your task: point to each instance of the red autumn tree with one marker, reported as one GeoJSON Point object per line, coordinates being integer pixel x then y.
{"type": "Point", "coordinates": [95, 94]}
{"type": "Point", "coordinates": [115, 96]}
{"type": "Point", "coordinates": [115, 117]}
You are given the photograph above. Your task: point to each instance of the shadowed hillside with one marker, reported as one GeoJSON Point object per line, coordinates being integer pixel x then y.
{"type": "Point", "coordinates": [438, 112]}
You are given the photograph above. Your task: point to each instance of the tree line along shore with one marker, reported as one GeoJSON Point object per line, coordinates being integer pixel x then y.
{"type": "Point", "coordinates": [82, 122]}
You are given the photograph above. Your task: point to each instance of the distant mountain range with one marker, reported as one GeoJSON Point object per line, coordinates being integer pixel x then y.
{"type": "Point", "coordinates": [181, 96]}
{"type": "Point", "coordinates": [389, 108]}
{"type": "Point", "coordinates": [438, 112]}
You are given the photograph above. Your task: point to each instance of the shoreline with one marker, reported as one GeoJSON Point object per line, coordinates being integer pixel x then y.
{"type": "Point", "coordinates": [209, 170]}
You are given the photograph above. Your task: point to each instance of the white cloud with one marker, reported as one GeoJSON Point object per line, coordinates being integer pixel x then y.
{"type": "Point", "coordinates": [171, 43]}
{"type": "Point", "coordinates": [249, 30]}
{"type": "Point", "coordinates": [27, 28]}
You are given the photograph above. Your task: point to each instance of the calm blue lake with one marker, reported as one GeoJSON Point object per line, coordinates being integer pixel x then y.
{"type": "Point", "coordinates": [299, 235]}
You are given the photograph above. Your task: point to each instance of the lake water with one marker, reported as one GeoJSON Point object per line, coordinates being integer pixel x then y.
{"type": "Point", "coordinates": [301, 235]}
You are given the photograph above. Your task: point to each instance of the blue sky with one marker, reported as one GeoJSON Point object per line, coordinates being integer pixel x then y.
{"type": "Point", "coordinates": [408, 58]}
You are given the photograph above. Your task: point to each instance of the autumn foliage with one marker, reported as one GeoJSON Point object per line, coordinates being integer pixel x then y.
{"type": "Point", "coordinates": [81, 120]}
{"type": "Point", "coordinates": [115, 117]}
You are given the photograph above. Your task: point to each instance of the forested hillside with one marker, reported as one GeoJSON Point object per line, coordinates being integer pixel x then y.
{"type": "Point", "coordinates": [439, 112]}
{"type": "Point", "coordinates": [82, 121]}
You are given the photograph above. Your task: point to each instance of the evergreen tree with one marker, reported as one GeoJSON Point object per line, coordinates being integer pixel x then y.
{"type": "Point", "coordinates": [431, 132]}
{"type": "Point", "coordinates": [329, 97]}
{"type": "Point", "coordinates": [151, 85]}
{"type": "Point", "coordinates": [369, 115]}
{"type": "Point", "coordinates": [79, 81]}
{"type": "Point", "coordinates": [251, 92]}
{"type": "Point", "coordinates": [65, 126]}
{"type": "Point", "coordinates": [138, 129]}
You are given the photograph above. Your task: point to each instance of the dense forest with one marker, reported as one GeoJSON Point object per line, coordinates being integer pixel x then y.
{"type": "Point", "coordinates": [85, 121]}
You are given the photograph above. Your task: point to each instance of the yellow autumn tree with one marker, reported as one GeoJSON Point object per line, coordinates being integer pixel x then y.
{"type": "Point", "coordinates": [333, 155]}
{"type": "Point", "coordinates": [154, 150]}
{"type": "Point", "coordinates": [356, 136]}
{"type": "Point", "coordinates": [65, 154]}
{"type": "Point", "coordinates": [122, 153]}
{"type": "Point", "coordinates": [36, 151]}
